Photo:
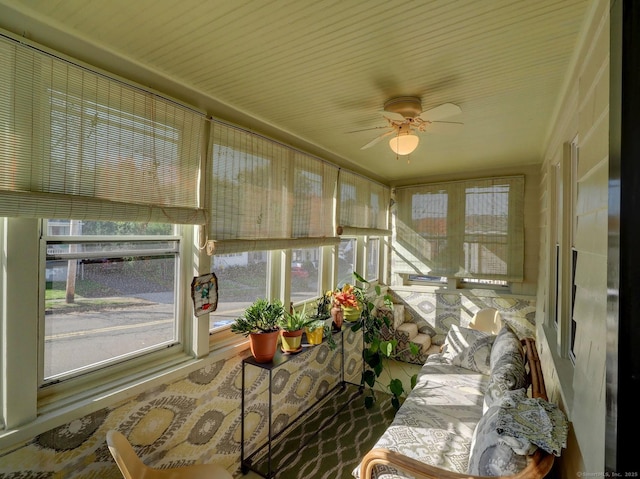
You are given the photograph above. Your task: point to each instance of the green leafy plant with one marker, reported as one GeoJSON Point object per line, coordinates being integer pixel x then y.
{"type": "Point", "coordinates": [318, 319]}
{"type": "Point", "coordinates": [374, 317]}
{"type": "Point", "coordinates": [295, 320]}
{"type": "Point", "coordinates": [323, 306]}
{"type": "Point", "coordinates": [263, 316]}
{"type": "Point", "coordinates": [327, 332]}
{"type": "Point", "coordinates": [315, 324]}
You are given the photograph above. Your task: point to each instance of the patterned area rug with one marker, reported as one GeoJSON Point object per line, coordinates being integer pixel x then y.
{"type": "Point", "coordinates": [331, 443]}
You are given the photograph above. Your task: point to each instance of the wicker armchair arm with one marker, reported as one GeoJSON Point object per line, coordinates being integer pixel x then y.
{"type": "Point", "coordinates": [538, 466]}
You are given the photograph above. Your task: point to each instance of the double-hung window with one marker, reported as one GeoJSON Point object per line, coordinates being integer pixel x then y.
{"type": "Point", "coordinates": [112, 169]}
{"type": "Point", "coordinates": [363, 219]}
{"type": "Point", "coordinates": [110, 294]}
{"type": "Point", "coordinates": [469, 230]}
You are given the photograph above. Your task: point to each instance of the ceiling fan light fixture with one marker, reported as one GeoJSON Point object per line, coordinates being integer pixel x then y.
{"type": "Point", "coordinates": [404, 144]}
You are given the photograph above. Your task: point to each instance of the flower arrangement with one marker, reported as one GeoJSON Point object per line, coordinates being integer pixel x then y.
{"type": "Point", "coordinates": [345, 297]}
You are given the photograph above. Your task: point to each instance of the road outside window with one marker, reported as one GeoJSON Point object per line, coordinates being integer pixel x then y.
{"type": "Point", "coordinates": [109, 295]}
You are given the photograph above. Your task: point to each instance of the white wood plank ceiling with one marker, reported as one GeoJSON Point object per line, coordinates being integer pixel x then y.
{"type": "Point", "coordinates": [309, 72]}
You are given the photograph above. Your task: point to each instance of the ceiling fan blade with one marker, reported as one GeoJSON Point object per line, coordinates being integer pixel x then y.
{"type": "Point", "coordinates": [392, 115]}
{"type": "Point", "coordinates": [369, 129]}
{"type": "Point", "coordinates": [443, 127]}
{"type": "Point", "coordinates": [440, 112]}
{"type": "Point", "coordinates": [377, 139]}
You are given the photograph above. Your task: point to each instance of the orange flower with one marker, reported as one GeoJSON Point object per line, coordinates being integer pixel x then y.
{"type": "Point", "coordinates": [346, 297]}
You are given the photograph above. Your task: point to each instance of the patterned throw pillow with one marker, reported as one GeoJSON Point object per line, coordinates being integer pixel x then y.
{"type": "Point", "coordinates": [489, 455]}
{"type": "Point", "coordinates": [508, 371]}
{"type": "Point", "coordinates": [468, 348]}
{"type": "Point", "coordinates": [506, 341]}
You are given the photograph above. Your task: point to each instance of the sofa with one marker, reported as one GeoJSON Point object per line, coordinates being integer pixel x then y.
{"type": "Point", "coordinates": [479, 408]}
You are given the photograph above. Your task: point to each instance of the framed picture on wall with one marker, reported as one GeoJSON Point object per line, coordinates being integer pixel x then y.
{"type": "Point", "coordinates": [204, 292]}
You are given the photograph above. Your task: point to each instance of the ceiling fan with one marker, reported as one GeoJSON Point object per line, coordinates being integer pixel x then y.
{"type": "Point", "coordinates": [405, 117]}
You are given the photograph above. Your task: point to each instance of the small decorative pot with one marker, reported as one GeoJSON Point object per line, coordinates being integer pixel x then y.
{"type": "Point", "coordinates": [291, 341]}
{"type": "Point", "coordinates": [351, 314]}
{"type": "Point", "coordinates": [337, 315]}
{"type": "Point", "coordinates": [315, 336]}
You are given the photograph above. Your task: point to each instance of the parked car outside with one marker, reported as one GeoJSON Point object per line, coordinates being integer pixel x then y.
{"type": "Point", "coordinates": [297, 271]}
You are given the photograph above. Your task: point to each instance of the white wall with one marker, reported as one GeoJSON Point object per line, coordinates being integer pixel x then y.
{"type": "Point", "coordinates": [583, 116]}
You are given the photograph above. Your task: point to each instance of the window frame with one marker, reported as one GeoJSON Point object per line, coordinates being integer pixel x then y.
{"type": "Point", "coordinates": [573, 260]}
{"type": "Point", "coordinates": [563, 255]}
{"type": "Point", "coordinates": [67, 385]}
{"type": "Point", "coordinates": [366, 243]}
{"type": "Point", "coordinates": [178, 330]}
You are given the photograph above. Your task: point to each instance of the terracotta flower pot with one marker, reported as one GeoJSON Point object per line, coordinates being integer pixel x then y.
{"type": "Point", "coordinates": [263, 345]}
{"type": "Point", "coordinates": [291, 341]}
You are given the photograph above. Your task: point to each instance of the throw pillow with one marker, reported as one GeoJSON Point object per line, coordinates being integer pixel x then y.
{"type": "Point", "coordinates": [468, 348]}
{"type": "Point", "coordinates": [506, 341]}
{"type": "Point", "coordinates": [489, 455]}
{"type": "Point", "coordinates": [508, 371]}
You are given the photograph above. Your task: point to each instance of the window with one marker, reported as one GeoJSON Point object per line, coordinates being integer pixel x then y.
{"type": "Point", "coordinates": [264, 191]}
{"type": "Point", "coordinates": [346, 261]}
{"type": "Point", "coordinates": [363, 205]}
{"type": "Point", "coordinates": [471, 230]}
{"type": "Point", "coordinates": [242, 278]}
{"type": "Point", "coordinates": [565, 257]}
{"type": "Point", "coordinates": [304, 274]}
{"type": "Point", "coordinates": [363, 217]}
{"type": "Point", "coordinates": [266, 198]}
{"type": "Point", "coordinates": [573, 152]}
{"type": "Point", "coordinates": [373, 259]}
{"type": "Point", "coordinates": [115, 167]}
{"type": "Point", "coordinates": [110, 293]}
{"type": "Point", "coordinates": [572, 327]}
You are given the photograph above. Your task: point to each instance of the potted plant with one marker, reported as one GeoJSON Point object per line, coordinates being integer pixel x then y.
{"type": "Point", "coordinates": [315, 331]}
{"type": "Point", "coordinates": [260, 322]}
{"type": "Point", "coordinates": [292, 326]}
{"type": "Point", "coordinates": [345, 305]}
{"type": "Point", "coordinates": [372, 319]}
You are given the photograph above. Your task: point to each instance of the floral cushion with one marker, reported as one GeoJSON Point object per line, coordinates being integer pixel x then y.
{"type": "Point", "coordinates": [435, 423]}
{"type": "Point", "coordinates": [469, 348]}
